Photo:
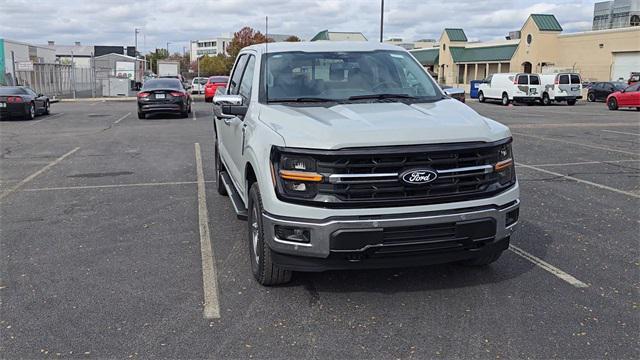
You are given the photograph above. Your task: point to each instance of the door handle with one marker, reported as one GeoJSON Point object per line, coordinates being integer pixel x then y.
{"type": "Point", "coordinates": [227, 121]}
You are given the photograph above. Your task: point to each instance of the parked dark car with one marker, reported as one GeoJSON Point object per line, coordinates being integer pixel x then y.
{"type": "Point", "coordinates": [600, 90]}
{"type": "Point", "coordinates": [22, 102]}
{"type": "Point", "coordinates": [163, 96]}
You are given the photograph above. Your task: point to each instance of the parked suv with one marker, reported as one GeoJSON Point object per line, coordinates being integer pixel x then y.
{"type": "Point", "coordinates": [347, 155]}
{"type": "Point", "coordinates": [508, 87]}
{"type": "Point", "coordinates": [561, 87]}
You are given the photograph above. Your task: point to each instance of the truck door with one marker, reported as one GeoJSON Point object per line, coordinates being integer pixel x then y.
{"type": "Point", "coordinates": [229, 141]}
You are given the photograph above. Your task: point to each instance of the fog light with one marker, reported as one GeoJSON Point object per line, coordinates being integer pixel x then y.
{"type": "Point", "coordinates": [512, 217]}
{"type": "Point", "coordinates": [295, 234]}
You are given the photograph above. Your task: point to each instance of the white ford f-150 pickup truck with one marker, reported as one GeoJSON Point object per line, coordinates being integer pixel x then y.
{"type": "Point", "coordinates": [348, 155]}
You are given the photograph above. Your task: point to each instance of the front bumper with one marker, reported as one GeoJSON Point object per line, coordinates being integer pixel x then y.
{"type": "Point", "coordinates": [565, 98]}
{"type": "Point", "coordinates": [348, 242]}
{"type": "Point", "coordinates": [525, 99]}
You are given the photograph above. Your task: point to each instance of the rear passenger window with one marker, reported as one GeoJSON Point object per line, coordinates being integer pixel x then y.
{"type": "Point", "coordinates": [575, 79]}
{"type": "Point", "coordinates": [523, 80]}
{"type": "Point", "coordinates": [534, 80]}
{"type": "Point", "coordinates": [564, 79]}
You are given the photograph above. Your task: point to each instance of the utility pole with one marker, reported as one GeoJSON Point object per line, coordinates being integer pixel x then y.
{"type": "Point", "coordinates": [381, 18]}
{"type": "Point", "coordinates": [168, 48]}
{"type": "Point", "coordinates": [135, 52]}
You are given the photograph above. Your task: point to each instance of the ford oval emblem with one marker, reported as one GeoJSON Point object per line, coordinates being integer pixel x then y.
{"type": "Point", "coordinates": [418, 176]}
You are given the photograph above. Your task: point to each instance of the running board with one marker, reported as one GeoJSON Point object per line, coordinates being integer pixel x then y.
{"type": "Point", "coordinates": [236, 201]}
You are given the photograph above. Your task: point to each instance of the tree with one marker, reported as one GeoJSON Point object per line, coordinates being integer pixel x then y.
{"type": "Point", "coordinates": [243, 38]}
{"type": "Point", "coordinates": [292, 38]}
{"type": "Point", "coordinates": [153, 57]}
{"type": "Point", "coordinates": [215, 65]}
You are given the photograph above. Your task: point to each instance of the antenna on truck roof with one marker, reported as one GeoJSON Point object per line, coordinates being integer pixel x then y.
{"type": "Point", "coordinates": [266, 59]}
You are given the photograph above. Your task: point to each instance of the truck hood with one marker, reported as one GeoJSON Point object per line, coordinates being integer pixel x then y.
{"type": "Point", "coordinates": [380, 124]}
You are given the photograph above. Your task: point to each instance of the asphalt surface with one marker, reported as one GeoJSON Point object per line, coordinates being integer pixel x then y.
{"type": "Point", "coordinates": [101, 254]}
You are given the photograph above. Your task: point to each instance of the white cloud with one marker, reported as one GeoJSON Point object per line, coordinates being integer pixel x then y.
{"type": "Point", "coordinates": [112, 22]}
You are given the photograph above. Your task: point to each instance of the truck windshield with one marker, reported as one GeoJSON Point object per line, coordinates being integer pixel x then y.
{"type": "Point", "coordinates": [346, 76]}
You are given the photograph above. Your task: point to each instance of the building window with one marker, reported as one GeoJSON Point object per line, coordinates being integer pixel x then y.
{"type": "Point", "coordinates": [529, 39]}
{"type": "Point", "coordinates": [635, 20]}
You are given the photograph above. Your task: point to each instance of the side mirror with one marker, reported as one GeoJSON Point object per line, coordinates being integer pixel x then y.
{"type": "Point", "coordinates": [228, 106]}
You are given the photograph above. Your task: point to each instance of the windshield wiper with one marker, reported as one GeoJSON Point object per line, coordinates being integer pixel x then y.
{"type": "Point", "coordinates": [304, 99]}
{"type": "Point", "coordinates": [382, 96]}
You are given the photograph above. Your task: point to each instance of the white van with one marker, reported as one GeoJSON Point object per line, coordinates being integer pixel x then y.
{"type": "Point", "coordinates": [561, 87]}
{"type": "Point", "coordinates": [507, 87]}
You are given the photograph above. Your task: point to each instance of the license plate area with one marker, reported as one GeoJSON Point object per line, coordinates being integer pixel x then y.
{"type": "Point", "coordinates": [160, 96]}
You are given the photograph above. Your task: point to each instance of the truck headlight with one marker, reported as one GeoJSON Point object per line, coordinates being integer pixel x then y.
{"type": "Point", "coordinates": [296, 175]}
{"type": "Point", "coordinates": [505, 166]}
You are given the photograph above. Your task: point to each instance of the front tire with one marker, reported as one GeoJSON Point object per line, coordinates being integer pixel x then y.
{"type": "Point", "coordinates": [264, 270]}
{"type": "Point", "coordinates": [612, 104]}
{"type": "Point", "coordinates": [591, 97]}
{"type": "Point", "coordinates": [571, 102]}
{"type": "Point", "coordinates": [46, 108]}
{"type": "Point", "coordinates": [481, 97]}
{"type": "Point", "coordinates": [505, 99]}
{"type": "Point", "coordinates": [141, 115]}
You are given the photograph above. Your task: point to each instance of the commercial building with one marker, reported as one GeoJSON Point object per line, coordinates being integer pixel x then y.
{"type": "Point", "coordinates": [210, 47]}
{"type": "Point", "coordinates": [543, 48]}
{"type": "Point", "coordinates": [410, 45]}
{"type": "Point", "coordinates": [616, 14]}
{"type": "Point", "coordinates": [14, 55]}
{"type": "Point", "coordinates": [339, 36]}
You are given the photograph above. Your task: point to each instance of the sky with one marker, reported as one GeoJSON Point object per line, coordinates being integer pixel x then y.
{"type": "Point", "coordinates": [111, 22]}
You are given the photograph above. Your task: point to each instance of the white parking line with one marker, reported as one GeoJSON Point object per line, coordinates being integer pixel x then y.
{"type": "Point", "coordinates": [586, 163]}
{"type": "Point", "coordinates": [48, 117]}
{"type": "Point", "coordinates": [548, 267]}
{"type": "Point", "coordinates": [193, 113]}
{"type": "Point", "coordinates": [35, 174]}
{"type": "Point", "coordinates": [122, 118]}
{"type": "Point", "coordinates": [621, 132]}
{"type": "Point", "coordinates": [579, 180]}
{"type": "Point", "coordinates": [209, 273]}
{"type": "Point", "coordinates": [576, 143]}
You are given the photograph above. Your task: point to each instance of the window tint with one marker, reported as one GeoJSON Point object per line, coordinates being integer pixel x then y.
{"type": "Point", "coordinates": [247, 78]}
{"type": "Point", "coordinates": [237, 74]}
{"type": "Point", "coordinates": [218, 79]}
{"type": "Point", "coordinates": [633, 87]}
{"type": "Point", "coordinates": [534, 80]}
{"type": "Point", "coordinates": [599, 86]}
{"type": "Point", "coordinates": [575, 79]}
{"type": "Point", "coordinates": [173, 84]}
{"type": "Point", "coordinates": [342, 75]}
{"type": "Point", "coordinates": [523, 80]}
{"type": "Point", "coordinates": [564, 79]}
{"type": "Point", "coordinates": [488, 79]}
{"type": "Point", "coordinates": [12, 91]}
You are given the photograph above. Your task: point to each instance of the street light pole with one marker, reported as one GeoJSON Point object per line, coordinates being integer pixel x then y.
{"type": "Point", "coordinates": [135, 53]}
{"type": "Point", "coordinates": [381, 18]}
{"type": "Point", "coordinates": [168, 48]}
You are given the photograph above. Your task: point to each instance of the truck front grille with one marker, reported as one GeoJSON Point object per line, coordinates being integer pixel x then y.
{"type": "Point", "coordinates": [372, 177]}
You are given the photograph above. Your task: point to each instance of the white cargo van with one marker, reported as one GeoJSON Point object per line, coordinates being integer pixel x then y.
{"type": "Point", "coordinates": [561, 87]}
{"type": "Point", "coordinates": [507, 87]}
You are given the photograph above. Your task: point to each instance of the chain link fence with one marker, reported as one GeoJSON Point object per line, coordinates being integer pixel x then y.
{"type": "Point", "coordinates": [61, 81]}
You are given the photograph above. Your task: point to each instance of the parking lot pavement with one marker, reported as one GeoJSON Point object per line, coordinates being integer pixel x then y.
{"type": "Point", "coordinates": [103, 256]}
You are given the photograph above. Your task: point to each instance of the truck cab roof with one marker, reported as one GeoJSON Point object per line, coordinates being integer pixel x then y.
{"type": "Point", "coordinates": [321, 46]}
